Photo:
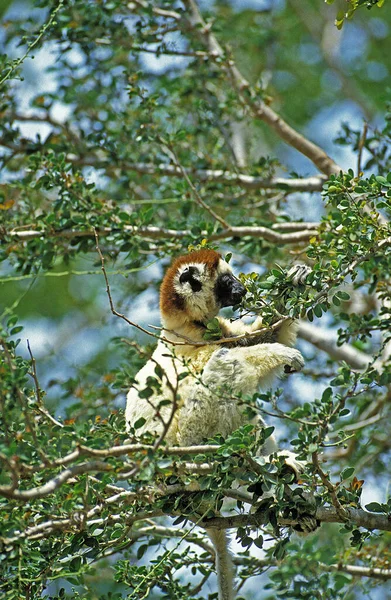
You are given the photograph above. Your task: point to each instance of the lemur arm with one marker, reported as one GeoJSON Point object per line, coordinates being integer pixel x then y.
{"type": "Point", "coordinates": [285, 333]}
{"type": "Point", "coordinates": [230, 374]}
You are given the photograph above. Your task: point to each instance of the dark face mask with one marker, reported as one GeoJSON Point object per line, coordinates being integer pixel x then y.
{"type": "Point", "coordinates": [190, 275]}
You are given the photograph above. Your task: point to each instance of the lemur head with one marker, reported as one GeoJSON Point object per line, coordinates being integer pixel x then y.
{"type": "Point", "coordinates": [196, 286]}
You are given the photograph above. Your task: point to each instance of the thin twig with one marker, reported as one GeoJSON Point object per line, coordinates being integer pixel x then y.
{"type": "Point", "coordinates": [341, 511]}
{"type": "Point", "coordinates": [32, 45]}
{"type": "Point", "coordinates": [194, 190]}
{"type": "Point", "coordinates": [361, 145]}
{"type": "Point", "coordinates": [40, 406]}
{"type": "Point", "coordinates": [30, 424]}
{"type": "Point", "coordinates": [113, 310]}
{"type": "Point", "coordinates": [55, 483]}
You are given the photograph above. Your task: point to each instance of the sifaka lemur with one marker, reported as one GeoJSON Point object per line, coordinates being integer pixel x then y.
{"type": "Point", "coordinates": [205, 382]}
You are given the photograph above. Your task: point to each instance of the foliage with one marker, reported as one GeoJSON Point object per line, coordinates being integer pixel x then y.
{"type": "Point", "coordinates": [353, 5]}
{"type": "Point", "coordinates": [141, 130]}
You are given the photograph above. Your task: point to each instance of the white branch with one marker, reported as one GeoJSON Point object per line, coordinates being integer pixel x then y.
{"type": "Point", "coordinates": [127, 449]}
{"type": "Point", "coordinates": [98, 466]}
{"type": "Point", "coordinates": [156, 233]}
{"type": "Point", "coordinates": [357, 571]}
{"type": "Point", "coordinates": [325, 340]}
{"type": "Point", "coordinates": [358, 517]}
{"type": "Point", "coordinates": [249, 182]}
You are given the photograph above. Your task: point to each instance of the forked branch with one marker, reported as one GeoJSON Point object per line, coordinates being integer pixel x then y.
{"type": "Point", "coordinates": [251, 99]}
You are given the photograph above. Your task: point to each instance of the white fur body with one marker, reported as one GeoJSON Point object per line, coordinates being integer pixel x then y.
{"type": "Point", "coordinates": [208, 398]}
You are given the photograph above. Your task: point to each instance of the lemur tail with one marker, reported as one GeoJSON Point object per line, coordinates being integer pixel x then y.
{"type": "Point", "coordinates": [224, 565]}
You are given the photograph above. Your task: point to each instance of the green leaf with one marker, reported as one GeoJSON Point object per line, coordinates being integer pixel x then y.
{"type": "Point", "coordinates": [146, 392]}
{"type": "Point", "coordinates": [259, 541]}
{"type": "Point", "coordinates": [374, 507]}
{"type": "Point", "coordinates": [343, 295]}
{"type": "Point", "coordinates": [318, 310]}
{"type": "Point", "coordinates": [141, 550]}
{"type": "Point", "coordinates": [139, 423]}
{"type": "Point", "coordinates": [344, 412]}
{"type": "Point", "coordinates": [346, 473]}
{"type": "Point", "coordinates": [16, 330]}
{"type": "Point", "coordinates": [11, 322]}
{"type": "Point", "coordinates": [335, 300]}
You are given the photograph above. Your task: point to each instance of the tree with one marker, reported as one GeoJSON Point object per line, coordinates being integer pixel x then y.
{"type": "Point", "coordinates": [145, 129]}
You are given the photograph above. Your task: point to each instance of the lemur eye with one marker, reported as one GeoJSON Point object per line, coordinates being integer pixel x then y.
{"type": "Point", "coordinates": [189, 276]}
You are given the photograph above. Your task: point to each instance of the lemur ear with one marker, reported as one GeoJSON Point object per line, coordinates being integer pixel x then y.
{"type": "Point", "coordinates": [188, 275]}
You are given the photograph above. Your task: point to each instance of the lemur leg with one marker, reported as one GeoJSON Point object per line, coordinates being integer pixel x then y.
{"type": "Point", "coordinates": [213, 406]}
{"type": "Point", "coordinates": [256, 367]}
{"type": "Point", "coordinates": [270, 359]}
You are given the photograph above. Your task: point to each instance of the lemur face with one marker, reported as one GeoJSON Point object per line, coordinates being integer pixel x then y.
{"type": "Point", "coordinates": [198, 284]}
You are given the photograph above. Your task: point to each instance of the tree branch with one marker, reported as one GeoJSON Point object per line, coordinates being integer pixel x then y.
{"type": "Point", "coordinates": [161, 12]}
{"type": "Point", "coordinates": [325, 340]}
{"type": "Point", "coordinates": [156, 233]}
{"type": "Point", "coordinates": [251, 99]}
{"type": "Point", "coordinates": [228, 178]}
{"type": "Point", "coordinates": [248, 182]}
{"type": "Point", "coordinates": [358, 571]}
{"type": "Point", "coordinates": [53, 484]}
{"type": "Point", "coordinates": [358, 516]}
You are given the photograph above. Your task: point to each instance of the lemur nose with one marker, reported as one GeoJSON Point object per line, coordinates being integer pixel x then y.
{"type": "Point", "coordinates": [238, 291]}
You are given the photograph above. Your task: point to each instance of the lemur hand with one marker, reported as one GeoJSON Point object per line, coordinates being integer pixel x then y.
{"type": "Point", "coordinates": [295, 361]}
{"type": "Point", "coordinates": [298, 274]}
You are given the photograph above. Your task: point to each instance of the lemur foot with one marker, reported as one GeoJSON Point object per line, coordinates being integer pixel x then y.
{"type": "Point", "coordinates": [294, 361]}
{"type": "Point", "coordinates": [307, 524]}
{"type": "Point", "coordinates": [304, 513]}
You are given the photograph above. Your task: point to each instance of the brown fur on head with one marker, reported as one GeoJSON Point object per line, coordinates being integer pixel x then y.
{"type": "Point", "coordinates": [170, 299]}
{"type": "Point", "coordinates": [195, 287]}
